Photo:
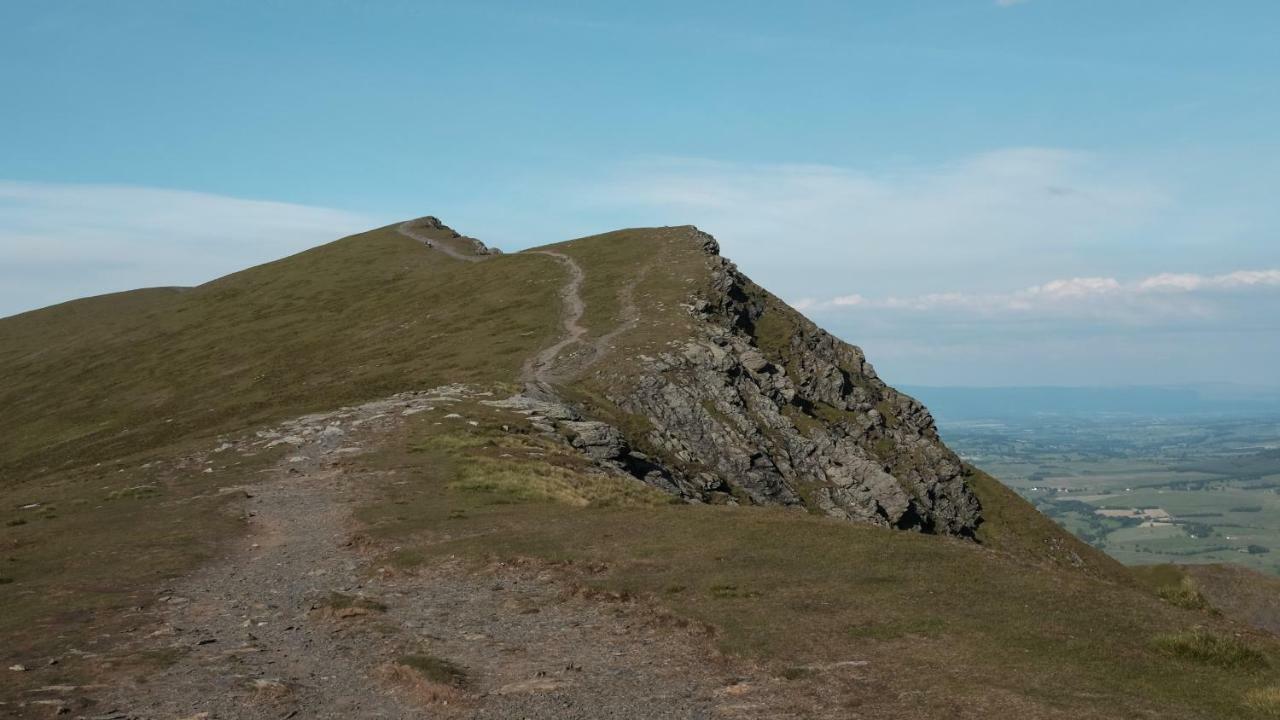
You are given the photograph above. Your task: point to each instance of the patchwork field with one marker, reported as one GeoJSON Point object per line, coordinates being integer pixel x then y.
{"type": "Point", "coordinates": [1193, 490]}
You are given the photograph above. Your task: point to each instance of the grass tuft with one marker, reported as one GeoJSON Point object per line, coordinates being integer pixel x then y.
{"type": "Point", "coordinates": [798, 673]}
{"type": "Point", "coordinates": [1210, 648]}
{"type": "Point", "coordinates": [1264, 702]}
{"type": "Point", "coordinates": [436, 670]}
{"type": "Point", "coordinates": [1184, 595]}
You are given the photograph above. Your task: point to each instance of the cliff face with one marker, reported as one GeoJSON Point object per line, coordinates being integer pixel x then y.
{"type": "Point", "coordinates": [765, 407]}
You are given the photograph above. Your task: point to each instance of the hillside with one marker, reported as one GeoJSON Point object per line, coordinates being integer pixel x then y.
{"type": "Point", "coordinates": [606, 477]}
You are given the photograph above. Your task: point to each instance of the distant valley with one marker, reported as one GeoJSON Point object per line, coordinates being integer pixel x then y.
{"type": "Point", "coordinates": [1149, 475]}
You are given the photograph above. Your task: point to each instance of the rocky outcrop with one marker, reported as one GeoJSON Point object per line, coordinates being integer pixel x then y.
{"type": "Point", "coordinates": [603, 443]}
{"type": "Point", "coordinates": [761, 406]}
{"type": "Point", "coordinates": [758, 405]}
{"type": "Point", "coordinates": [476, 247]}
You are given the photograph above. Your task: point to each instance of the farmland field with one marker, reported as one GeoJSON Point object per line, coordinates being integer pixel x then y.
{"type": "Point", "coordinates": [1145, 490]}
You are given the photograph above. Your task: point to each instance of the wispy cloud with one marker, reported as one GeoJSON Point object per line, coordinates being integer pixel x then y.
{"type": "Point", "coordinates": [1011, 3]}
{"type": "Point", "coordinates": [62, 241]}
{"type": "Point", "coordinates": [1158, 293]}
{"type": "Point", "coordinates": [1027, 211]}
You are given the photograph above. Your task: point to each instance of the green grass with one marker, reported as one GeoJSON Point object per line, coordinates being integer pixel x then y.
{"type": "Point", "coordinates": [363, 317]}
{"type": "Point", "coordinates": [665, 266]}
{"type": "Point", "coordinates": [1012, 525]}
{"type": "Point", "coordinates": [792, 590]}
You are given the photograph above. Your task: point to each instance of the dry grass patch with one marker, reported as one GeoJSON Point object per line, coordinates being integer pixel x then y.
{"type": "Point", "coordinates": [1184, 595]}
{"type": "Point", "coordinates": [1207, 647]}
{"type": "Point", "coordinates": [342, 606]}
{"type": "Point", "coordinates": [268, 690]}
{"type": "Point", "coordinates": [1264, 702]}
{"type": "Point", "coordinates": [427, 679]}
{"type": "Point", "coordinates": [1240, 593]}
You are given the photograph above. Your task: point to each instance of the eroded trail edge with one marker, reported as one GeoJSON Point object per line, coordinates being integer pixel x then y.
{"type": "Point", "coordinates": [299, 618]}
{"type": "Point", "coordinates": [543, 368]}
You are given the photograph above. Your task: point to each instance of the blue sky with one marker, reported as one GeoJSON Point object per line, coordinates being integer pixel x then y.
{"type": "Point", "coordinates": [977, 192]}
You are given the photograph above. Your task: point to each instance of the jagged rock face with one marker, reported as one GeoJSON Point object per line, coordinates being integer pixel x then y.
{"type": "Point", "coordinates": [477, 247]}
{"type": "Point", "coordinates": [800, 419]}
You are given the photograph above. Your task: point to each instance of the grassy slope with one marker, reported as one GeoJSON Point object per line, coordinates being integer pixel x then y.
{"type": "Point", "coordinates": [99, 388]}
{"type": "Point", "coordinates": [107, 398]}
{"type": "Point", "coordinates": [980, 633]}
{"type": "Point", "coordinates": [1012, 525]}
{"type": "Point", "coordinates": [662, 266]}
{"type": "Point", "coordinates": [368, 315]}
{"type": "Point", "coordinates": [1237, 592]}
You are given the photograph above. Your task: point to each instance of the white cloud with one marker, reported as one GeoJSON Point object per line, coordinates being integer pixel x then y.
{"type": "Point", "coordinates": [1010, 3]}
{"type": "Point", "coordinates": [62, 241]}
{"type": "Point", "coordinates": [1152, 298]}
{"type": "Point", "coordinates": [1075, 287]}
{"type": "Point", "coordinates": [1170, 282]}
{"type": "Point", "coordinates": [850, 300]}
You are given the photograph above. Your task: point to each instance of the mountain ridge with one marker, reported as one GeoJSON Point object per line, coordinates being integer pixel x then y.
{"type": "Point", "coordinates": [365, 409]}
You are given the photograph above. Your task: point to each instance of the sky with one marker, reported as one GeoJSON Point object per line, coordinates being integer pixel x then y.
{"type": "Point", "coordinates": [977, 192]}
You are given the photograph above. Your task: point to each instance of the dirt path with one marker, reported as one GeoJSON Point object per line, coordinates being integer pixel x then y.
{"type": "Point", "coordinates": [257, 634]}
{"type": "Point", "coordinates": [552, 365]}
{"type": "Point", "coordinates": [542, 368]}
{"type": "Point", "coordinates": [630, 317]}
{"type": "Point", "coordinates": [405, 228]}
{"type": "Point", "coordinates": [250, 640]}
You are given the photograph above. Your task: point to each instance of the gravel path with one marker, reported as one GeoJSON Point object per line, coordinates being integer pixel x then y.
{"type": "Point", "coordinates": [257, 637]}
{"type": "Point", "coordinates": [553, 365]}
{"type": "Point", "coordinates": [406, 228]}
{"type": "Point", "coordinates": [542, 368]}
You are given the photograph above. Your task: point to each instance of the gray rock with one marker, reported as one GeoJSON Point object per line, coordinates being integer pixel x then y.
{"type": "Point", "coordinates": [598, 440]}
{"type": "Point", "coordinates": [806, 424]}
